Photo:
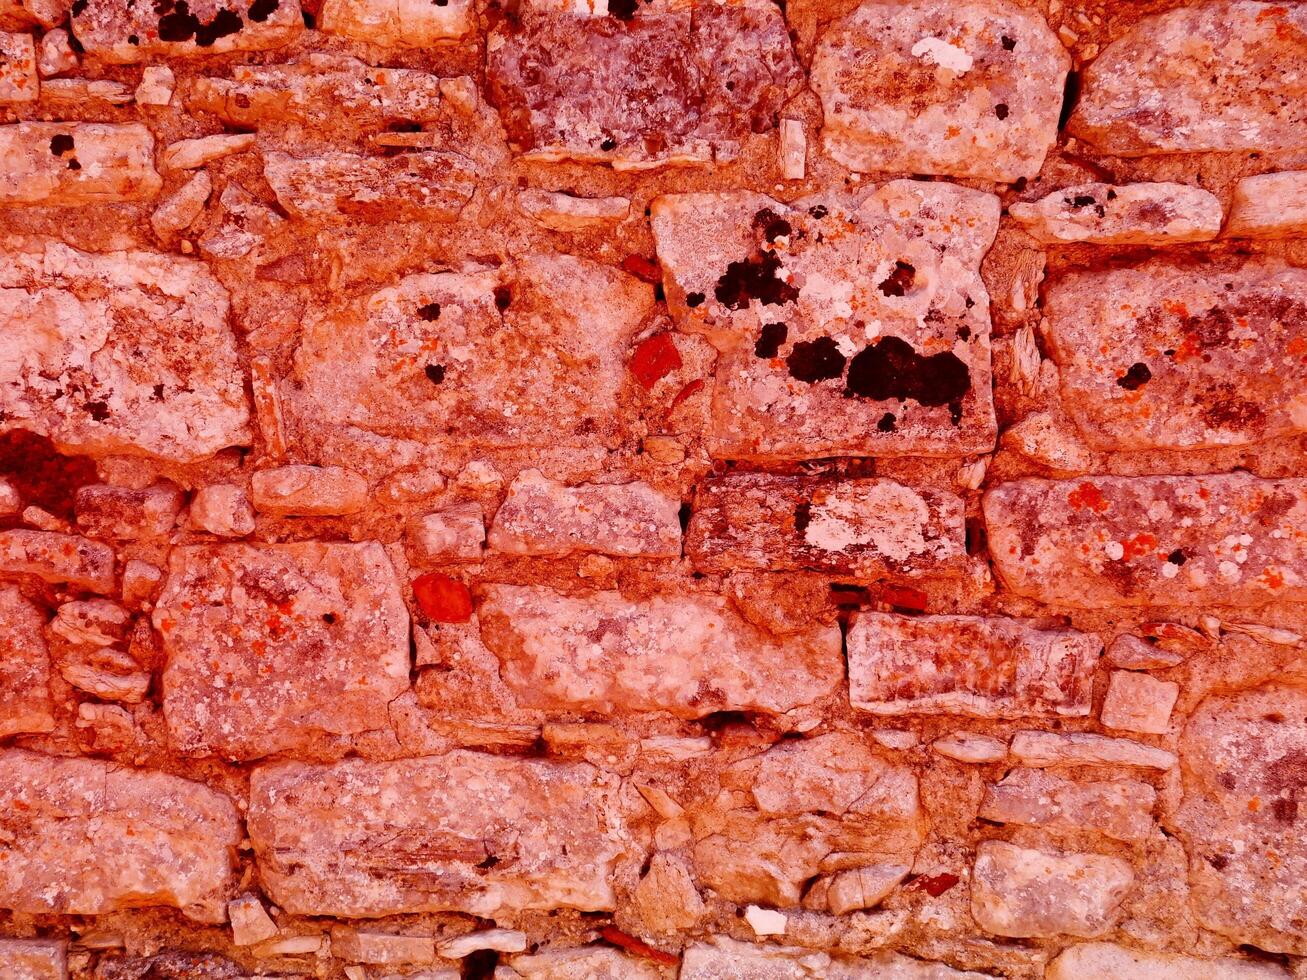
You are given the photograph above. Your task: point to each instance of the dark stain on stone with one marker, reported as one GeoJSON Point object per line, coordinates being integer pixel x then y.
{"type": "Point", "coordinates": [608, 145]}
{"type": "Point", "coordinates": [693, 299]}
{"type": "Point", "coordinates": [435, 373]}
{"type": "Point", "coordinates": [261, 10]}
{"type": "Point", "coordinates": [772, 225]}
{"type": "Point", "coordinates": [430, 311]}
{"type": "Point", "coordinates": [1070, 95]}
{"type": "Point", "coordinates": [815, 360]}
{"type": "Point", "coordinates": [770, 339]}
{"type": "Point", "coordinates": [1136, 377]}
{"type": "Point", "coordinates": [480, 965]}
{"type": "Point", "coordinates": [890, 368]}
{"type": "Point", "coordinates": [1285, 811]}
{"type": "Point", "coordinates": [503, 298]}
{"type": "Point", "coordinates": [41, 474]}
{"type": "Point", "coordinates": [753, 278]}
{"type": "Point", "coordinates": [802, 517]}
{"type": "Point", "coordinates": [178, 24]}
{"type": "Point", "coordinates": [898, 282]}
{"type": "Point", "coordinates": [886, 423]}
{"type": "Point", "coordinates": [623, 9]}
{"type": "Point", "coordinates": [99, 410]}
{"type": "Point", "coordinates": [1177, 557]}
{"type": "Point", "coordinates": [818, 211]}
{"type": "Point", "coordinates": [74, 165]}
{"type": "Point", "coordinates": [60, 144]}
{"type": "Point", "coordinates": [1000, 110]}
{"type": "Point", "coordinates": [78, 8]}
{"type": "Point", "coordinates": [1008, 42]}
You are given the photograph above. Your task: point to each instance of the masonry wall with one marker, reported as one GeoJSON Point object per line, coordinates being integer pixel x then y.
{"type": "Point", "coordinates": [653, 489]}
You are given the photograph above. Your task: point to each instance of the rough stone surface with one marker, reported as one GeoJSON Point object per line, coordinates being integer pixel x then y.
{"type": "Point", "coordinates": [1138, 703]}
{"type": "Point", "coordinates": [121, 34]}
{"type": "Point", "coordinates": [1050, 749]}
{"type": "Point", "coordinates": [25, 704]}
{"type": "Point", "coordinates": [33, 959]}
{"type": "Point", "coordinates": [345, 187]}
{"type": "Point", "coordinates": [95, 162]}
{"type": "Point", "coordinates": [1118, 808]}
{"type": "Point", "coordinates": [18, 78]}
{"type": "Point", "coordinates": [308, 491]}
{"type": "Point", "coordinates": [728, 959]}
{"type": "Point", "coordinates": [58, 558]}
{"type": "Point", "coordinates": [1122, 214]}
{"type": "Point", "coordinates": [1109, 960]}
{"type": "Point", "coordinates": [1269, 206]}
{"type": "Point", "coordinates": [398, 23]}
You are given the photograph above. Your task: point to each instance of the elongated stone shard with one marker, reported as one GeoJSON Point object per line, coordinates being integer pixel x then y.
{"type": "Point", "coordinates": [1042, 749]}
{"type": "Point", "coordinates": [1122, 214]}
{"type": "Point", "coordinates": [1104, 541]}
{"type": "Point", "coordinates": [1213, 77]}
{"type": "Point", "coordinates": [690, 655]}
{"type": "Point", "coordinates": [111, 838]}
{"type": "Point", "coordinates": [128, 33]}
{"type": "Point", "coordinates": [65, 164]}
{"type": "Point", "coordinates": [58, 558]}
{"type": "Point", "coordinates": [721, 958]}
{"type": "Point", "coordinates": [25, 704]}
{"type": "Point", "coordinates": [464, 832]}
{"type": "Point", "coordinates": [989, 667]}
{"type": "Point", "coordinates": [345, 186]}
{"type": "Point", "coordinates": [847, 324]}
{"type": "Point", "coordinates": [398, 23]}
{"type": "Point", "coordinates": [1169, 355]}
{"type": "Point", "coordinates": [1269, 206]}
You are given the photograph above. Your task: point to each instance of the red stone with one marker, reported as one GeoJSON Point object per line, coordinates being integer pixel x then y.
{"type": "Point", "coordinates": [632, 945]}
{"type": "Point", "coordinates": [654, 359]}
{"type": "Point", "coordinates": [443, 599]}
{"type": "Point", "coordinates": [644, 269]}
{"type": "Point", "coordinates": [935, 885]}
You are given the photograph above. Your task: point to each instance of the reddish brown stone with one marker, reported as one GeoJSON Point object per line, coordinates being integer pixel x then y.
{"type": "Point", "coordinates": [64, 164]}
{"type": "Point", "coordinates": [25, 704]}
{"type": "Point", "coordinates": [442, 599]}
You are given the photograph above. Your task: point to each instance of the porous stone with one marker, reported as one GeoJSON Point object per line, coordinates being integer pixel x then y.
{"type": "Point", "coordinates": [145, 337]}
{"type": "Point", "coordinates": [1138, 703]}
{"type": "Point", "coordinates": [308, 491]}
{"type": "Point", "coordinates": [157, 85]}
{"type": "Point", "coordinates": [1110, 960]}
{"type": "Point", "coordinates": [989, 667]}
{"type": "Point", "coordinates": [455, 533]}
{"type": "Point", "coordinates": [846, 324]}
{"type": "Point", "coordinates": [1219, 76]}
{"type": "Point", "coordinates": [501, 940]}
{"type": "Point", "coordinates": [666, 897]}
{"type": "Point", "coordinates": [123, 34]}
{"type": "Point", "coordinates": [687, 654]}
{"type": "Point", "coordinates": [25, 703]}
{"type": "Point", "coordinates": [1042, 749]}
{"type": "Point", "coordinates": [279, 647]}
{"type": "Point", "coordinates": [58, 558]}
{"type": "Point", "coordinates": [1122, 214]}
{"type": "Point", "coordinates": [564, 212]}
{"type": "Point", "coordinates": [584, 963]}
{"type": "Point", "coordinates": [19, 81]}
{"type": "Point", "coordinates": [127, 513]}
{"type": "Point", "coordinates": [863, 888]}
{"type": "Point", "coordinates": [541, 516]}
{"type": "Point", "coordinates": [1022, 892]}
{"type": "Point", "coordinates": [398, 23]}
{"type": "Point", "coordinates": [1269, 206]}
{"type": "Point", "coordinates": [180, 209]}
{"type": "Point", "coordinates": [338, 186]}
{"type": "Point", "coordinates": [55, 55]}
{"type": "Point", "coordinates": [367, 946]}
{"type": "Point", "coordinates": [863, 528]}
{"type": "Point", "coordinates": [34, 959]}
{"type": "Point", "coordinates": [966, 89]}
{"type": "Point", "coordinates": [250, 922]}
{"type": "Point", "coordinates": [1102, 541]}
{"type": "Point", "coordinates": [1119, 808]}
{"type": "Point", "coordinates": [172, 839]}
{"type": "Point", "coordinates": [1172, 355]}
{"type": "Point", "coordinates": [68, 164]}
{"type": "Point", "coordinates": [463, 831]}
{"type": "Point", "coordinates": [223, 509]}
{"type": "Point", "coordinates": [47, 13]}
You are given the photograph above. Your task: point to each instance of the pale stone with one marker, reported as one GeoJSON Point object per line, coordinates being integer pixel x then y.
{"type": "Point", "coordinates": [140, 582]}
{"type": "Point", "coordinates": [342, 186]}
{"type": "Point", "coordinates": [793, 152]}
{"type": "Point", "coordinates": [25, 704]}
{"type": "Point", "coordinates": [727, 959]}
{"type": "Point", "coordinates": [189, 154]}
{"type": "Point", "coordinates": [73, 94]}
{"type": "Point", "coordinates": [1119, 808]}
{"type": "Point", "coordinates": [966, 89]}
{"type": "Point", "coordinates": [43, 520]}
{"type": "Point", "coordinates": [128, 514]}
{"type": "Point", "coordinates": [156, 86]}
{"type": "Point", "coordinates": [666, 898]}
{"type": "Point", "coordinates": [1139, 703]}
{"type": "Point", "coordinates": [56, 55]}
{"type": "Point", "coordinates": [18, 78]}
{"type": "Point", "coordinates": [124, 34]}
{"type": "Point", "coordinates": [1218, 76]}
{"type": "Point", "coordinates": [112, 838]}
{"type": "Point", "coordinates": [863, 888]}
{"type": "Point", "coordinates": [250, 922]}
{"type": "Point", "coordinates": [565, 212]}
{"type": "Point", "coordinates": [898, 739]}
{"type": "Point", "coordinates": [1122, 214]}
{"type": "Point", "coordinates": [47, 13]}
{"type": "Point", "coordinates": [970, 747]}
{"type": "Point", "coordinates": [541, 516]}
{"type": "Point", "coordinates": [1167, 355]}
{"type": "Point", "coordinates": [179, 210]}
{"type": "Point", "coordinates": [58, 558]}
{"type": "Point", "coordinates": [584, 963]}
{"type": "Point", "coordinates": [1017, 891]}
{"type": "Point", "coordinates": [502, 940]}
{"type": "Point", "coordinates": [1042, 749]}
{"type": "Point", "coordinates": [1105, 960]}
{"type": "Point", "coordinates": [398, 23]}
{"type": "Point", "coordinates": [11, 501]}
{"type": "Point", "coordinates": [246, 223]}
{"type": "Point", "coordinates": [365, 946]}
{"type": "Point", "coordinates": [308, 491]}
{"type": "Point", "coordinates": [279, 647]}
{"type": "Point", "coordinates": [292, 946]}
{"type": "Point", "coordinates": [467, 832]}
{"type": "Point", "coordinates": [689, 654]}
{"type": "Point", "coordinates": [989, 667]}
{"type": "Point", "coordinates": [223, 509]}
{"type": "Point", "coordinates": [1132, 653]}
{"type": "Point", "coordinates": [146, 337]}
{"type": "Point", "coordinates": [864, 528]}
{"type": "Point", "coordinates": [1269, 206]}
{"type": "Point", "coordinates": [34, 959]}
{"type": "Point", "coordinates": [1049, 439]}
{"type": "Point", "coordinates": [765, 922]}
{"type": "Point", "coordinates": [455, 533]}
{"type": "Point", "coordinates": [68, 164]}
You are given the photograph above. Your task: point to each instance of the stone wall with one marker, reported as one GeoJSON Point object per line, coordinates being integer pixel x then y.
{"type": "Point", "coordinates": [614, 489]}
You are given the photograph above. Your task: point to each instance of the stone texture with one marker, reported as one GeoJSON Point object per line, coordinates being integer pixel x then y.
{"type": "Point", "coordinates": [279, 647]}
{"type": "Point", "coordinates": [966, 89]}
{"type": "Point", "coordinates": [456, 533]}
{"type": "Point", "coordinates": [1118, 541]}
{"type": "Point", "coordinates": [308, 491]}
{"type": "Point", "coordinates": [47, 13]}
{"type": "Point", "coordinates": [1119, 808]}
{"type": "Point", "coordinates": [250, 922]}
{"type": "Point", "coordinates": [1138, 703]}
{"type": "Point", "coordinates": [563, 212]}
{"type": "Point", "coordinates": [464, 831]}
{"type": "Point", "coordinates": [639, 87]}
{"type": "Point", "coordinates": [127, 513]}
{"type": "Point", "coordinates": [1132, 653]}
{"type": "Point", "coordinates": [67, 164]}
{"type": "Point", "coordinates": [970, 747]}
{"type": "Point", "coordinates": [728, 959]}
{"type": "Point", "coordinates": [193, 153]}
{"type": "Point", "coordinates": [541, 516]}
{"type": "Point", "coordinates": [367, 946]}
{"type": "Point", "coordinates": [1109, 960]}
{"type": "Point", "coordinates": [1269, 206]}
{"type": "Point", "coordinates": [984, 666]}
{"type": "Point", "coordinates": [18, 79]}
{"type": "Point", "coordinates": [142, 338]}
{"type": "Point", "coordinates": [25, 704]}
{"type": "Point", "coordinates": [583, 963]}
{"type": "Point", "coordinates": [223, 509]}
{"type": "Point", "coordinates": [1122, 214]}
{"type": "Point", "coordinates": [1212, 77]}
{"type": "Point", "coordinates": [398, 23]}
{"type": "Point", "coordinates": [1041, 749]}
{"type": "Point", "coordinates": [1168, 355]}
{"type": "Point", "coordinates": [847, 325]}
{"type": "Point", "coordinates": [112, 838]}
{"type": "Point", "coordinates": [123, 34]}
{"type": "Point", "coordinates": [345, 187]}
{"type": "Point", "coordinates": [58, 558]}
{"type": "Point", "coordinates": [33, 959]}
{"type": "Point", "coordinates": [863, 528]}
{"type": "Point", "coordinates": [602, 652]}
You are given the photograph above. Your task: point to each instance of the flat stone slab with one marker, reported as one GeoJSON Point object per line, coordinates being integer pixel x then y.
{"type": "Point", "coordinates": [462, 832]}
{"type": "Point", "coordinates": [1118, 808]}
{"type": "Point", "coordinates": [58, 558]}
{"type": "Point", "coordinates": [87, 837]}
{"type": "Point", "coordinates": [68, 164]}
{"type": "Point", "coordinates": [847, 325]}
{"type": "Point", "coordinates": [689, 655]}
{"type": "Point", "coordinates": [530, 354]}
{"type": "Point", "coordinates": [1269, 206]}
{"type": "Point", "coordinates": [25, 704]}
{"type": "Point", "coordinates": [1122, 214]}
{"type": "Point", "coordinates": [1244, 762]}
{"type": "Point", "coordinates": [1165, 540]}
{"type": "Point", "coordinates": [1122, 963]}
{"type": "Point", "coordinates": [989, 667]}
{"type": "Point", "coordinates": [1166, 355]}
{"type": "Point", "coordinates": [640, 86]}
{"type": "Point", "coordinates": [398, 23]}
{"type": "Point", "coordinates": [865, 528]}
{"type": "Point", "coordinates": [1045, 749]}
{"type": "Point", "coordinates": [1220, 76]}
{"type": "Point", "coordinates": [279, 647]}
{"type": "Point", "coordinates": [345, 186]}
{"type": "Point", "coordinates": [124, 34]}
{"type": "Point", "coordinates": [721, 958]}
{"type": "Point", "coordinates": [18, 79]}
{"type": "Point", "coordinates": [966, 89]}
{"type": "Point", "coordinates": [119, 353]}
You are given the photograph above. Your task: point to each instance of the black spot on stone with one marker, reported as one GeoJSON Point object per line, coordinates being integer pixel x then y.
{"type": "Point", "coordinates": [693, 299]}
{"type": "Point", "coordinates": [224, 23]}
{"type": "Point", "coordinates": [770, 339]}
{"type": "Point", "coordinates": [480, 965]}
{"type": "Point", "coordinates": [1169, 352]}
{"type": "Point", "coordinates": [890, 368]}
{"type": "Point", "coordinates": [964, 332]}
{"type": "Point", "coordinates": [1082, 201]}
{"type": "Point", "coordinates": [1111, 194]}
{"type": "Point", "coordinates": [900, 280]}
{"type": "Point", "coordinates": [802, 517]}
{"type": "Point", "coordinates": [78, 8]}
{"type": "Point", "coordinates": [1070, 93]}
{"type": "Point", "coordinates": [1177, 557]}
{"type": "Point", "coordinates": [1218, 861]}
{"type": "Point", "coordinates": [684, 514]}
{"type": "Point", "coordinates": [329, 618]}
{"type": "Point", "coordinates": [1008, 42]}
{"type": "Point", "coordinates": [818, 211]}
{"type": "Point", "coordinates": [430, 311]}
{"type": "Point", "coordinates": [1136, 377]}
{"type": "Point", "coordinates": [261, 10]}
{"type": "Point", "coordinates": [503, 298]}
{"type": "Point", "coordinates": [157, 394]}
{"type": "Point", "coordinates": [622, 9]}
{"type": "Point", "coordinates": [178, 25]}
{"type": "Point", "coordinates": [1000, 110]}
{"type": "Point", "coordinates": [608, 144]}
{"type": "Point", "coordinates": [977, 538]}
{"type": "Point", "coordinates": [74, 165]}
{"type": "Point", "coordinates": [435, 373]}
{"type": "Point", "coordinates": [98, 410]}
{"type": "Point", "coordinates": [886, 423]}
{"type": "Point", "coordinates": [133, 39]}
{"type": "Point", "coordinates": [309, 22]}
{"type": "Point", "coordinates": [754, 278]}
{"type": "Point", "coordinates": [815, 360]}
{"type": "Point", "coordinates": [772, 225]}
{"type": "Point", "coordinates": [60, 144]}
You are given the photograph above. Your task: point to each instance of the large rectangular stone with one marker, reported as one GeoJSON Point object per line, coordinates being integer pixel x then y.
{"type": "Point", "coordinates": [691, 655]}
{"type": "Point", "coordinates": [126, 33]}
{"type": "Point", "coordinates": [87, 837]}
{"type": "Point", "coordinates": [280, 647]}
{"type": "Point", "coordinates": [847, 324]}
{"type": "Point", "coordinates": [1170, 355]}
{"type": "Point", "coordinates": [989, 667]}
{"type": "Point", "coordinates": [398, 23]}
{"type": "Point", "coordinates": [1104, 541]}
{"type": "Point", "coordinates": [346, 186]}
{"type": "Point", "coordinates": [865, 528]}
{"type": "Point", "coordinates": [75, 163]}
{"type": "Point", "coordinates": [119, 353]}
{"type": "Point", "coordinates": [25, 704]}
{"type": "Point", "coordinates": [462, 832]}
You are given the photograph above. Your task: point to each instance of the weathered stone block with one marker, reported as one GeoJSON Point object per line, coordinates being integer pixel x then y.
{"type": "Point", "coordinates": [1129, 541]}
{"type": "Point", "coordinates": [728, 959]}
{"type": "Point", "coordinates": [124, 34]}
{"type": "Point", "coordinates": [34, 959]}
{"type": "Point", "coordinates": [1122, 214]}
{"type": "Point", "coordinates": [398, 23]}
{"type": "Point", "coordinates": [1138, 703]}
{"type": "Point", "coordinates": [1086, 749]}
{"type": "Point", "coordinates": [18, 78]}
{"type": "Point", "coordinates": [1269, 206]}
{"type": "Point", "coordinates": [1017, 891]}
{"type": "Point", "coordinates": [127, 513]}
{"type": "Point", "coordinates": [308, 491]}
{"type": "Point", "coordinates": [279, 647]}
{"type": "Point", "coordinates": [1119, 808]}
{"type": "Point", "coordinates": [1109, 960]}
{"type": "Point", "coordinates": [984, 666]}
{"type": "Point", "coordinates": [58, 558]}
{"type": "Point", "coordinates": [25, 704]}
{"type": "Point", "coordinates": [66, 164]}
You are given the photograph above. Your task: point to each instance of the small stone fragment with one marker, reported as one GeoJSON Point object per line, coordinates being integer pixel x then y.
{"type": "Point", "coordinates": [721, 958]}
{"type": "Point", "coordinates": [34, 959]}
{"type": "Point", "coordinates": [223, 509]}
{"type": "Point", "coordinates": [56, 55]}
{"type": "Point", "coordinates": [125, 34]}
{"type": "Point", "coordinates": [970, 747]}
{"type": "Point", "coordinates": [177, 211]}
{"type": "Point", "coordinates": [366, 946]}
{"type": "Point", "coordinates": [299, 490]}
{"type": "Point", "coordinates": [25, 704]}
{"type": "Point", "coordinates": [250, 922]}
{"type": "Point", "coordinates": [564, 212]}
{"type": "Point", "coordinates": [1269, 206]}
{"type": "Point", "coordinates": [793, 150]}
{"type": "Point", "coordinates": [1042, 749]}
{"type": "Point", "coordinates": [127, 514]}
{"type": "Point", "coordinates": [156, 85]}
{"type": "Point", "coordinates": [398, 23]}
{"type": "Point", "coordinates": [338, 186]}
{"type": "Point", "coordinates": [189, 154]}
{"type": "Point", "coordinates": [140, 582]}
{"type": "Point", "coordinates": [1139, 703]}
{"type": "Point", "coordinates": [18, 78]}
{"type": "Point", "coordinates": [765, 922]}
{"type": "Point", "coordinates": [47, 13]}
{"type": "Point", "coordinates": [1105, 960]}
{"type": "Point", "coordinates": [70, 164]}
{"type": "Point", "coordinates": [455, 533]}
{"type": "Point", "coordinates": [58, 558]}
{"type": "Point", "coordinates": [1122, 214]}
{"type": "Point", "coordinates": [666, 898]}
{"type": "Point", "coordinates": [863, 888]}
{"type": "Point", "coordinates": [1132, 653]}
{"type": "Point", "coordinates": [583, 963]}
{"type": "Point", "coordinates": [501, 940]}
{"type": "Point", "coordinates": [1120, 808]}
{"type": "Point", "coordinates": [1020, 892]}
